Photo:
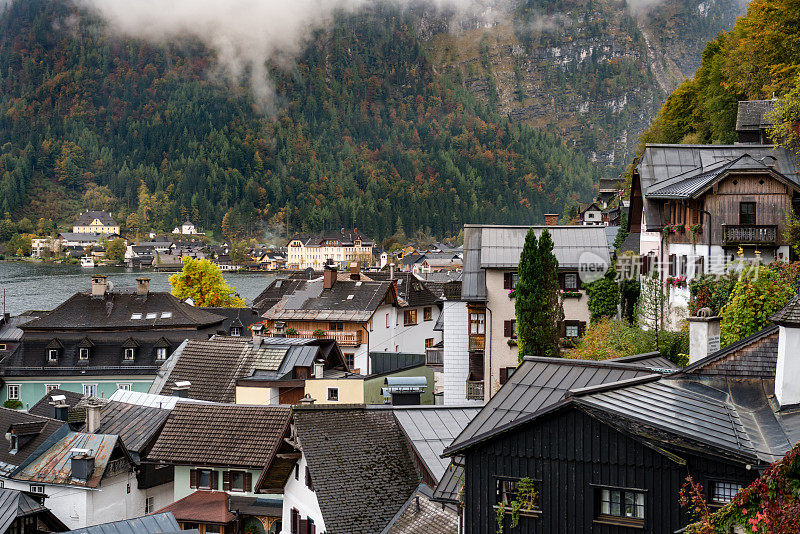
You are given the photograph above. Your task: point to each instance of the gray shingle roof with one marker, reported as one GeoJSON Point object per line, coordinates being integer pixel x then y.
{"type": "Point", "coordinates": [360, 464]}
{"type": "Point", "coordinates": [86, 218]}
{"type": "Point", "coordinates": [751, 114]}
{"type": "Point", "coordinates": [752, 357]}
{"type": "Point", "coordinates": [789, 315]}
{"type": "Point", "coordinates": [419, 514]}
{"type": "Point", "coordinates": [136, 425]}
{"type": "Point", "coordinates": [347, 301]}
{"type": "Point", "coordinates": [432, 428]}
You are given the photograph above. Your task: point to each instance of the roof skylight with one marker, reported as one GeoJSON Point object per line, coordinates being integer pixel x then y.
{"type": "Point", "coordinates": [135, 316]}
{"type": "Point", "coordinates": [166, 315]}
{"type": "Point", "coordinates": [151, 315]}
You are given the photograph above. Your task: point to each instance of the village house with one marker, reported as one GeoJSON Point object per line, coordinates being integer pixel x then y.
{"type": "Point", "coordinates": [479, 359]}
{"type": "Point", "coordinates": [629, 437]}
{"type": "Point", "coordinates": [22, 512]}
{"type": "Point", "coordinates": [332, 248]}
{"type": "Point", "coordinates": [99, 341]}
{"type": "Point", "coordinates": [26, 432]}
{"type": "Point", "coordinates": [361, 313]}
{"type": "Point", "coordinates": [232, 459]}
{"type": "Point", "coordinates": [693, 207]}
{"type": "Point", "coordinates": [95, 222]}
{"type": "Point", "coordinates": [187, 228]}
{"type": "Point", "coordinates": [591, 214]}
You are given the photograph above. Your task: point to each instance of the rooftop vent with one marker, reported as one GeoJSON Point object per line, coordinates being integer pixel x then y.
{"type": "Point", "coordinates": [82, 463]}
{"type": "Point", "coordinates": [181, 389]}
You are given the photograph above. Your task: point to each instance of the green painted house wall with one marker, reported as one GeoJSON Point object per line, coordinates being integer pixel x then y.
{"type": "Point", "coordinates": [372, 386]}
{"type": "Point", "coordinates": [182, 488]}
{"type": "Point", "coordinates": [32, 389]}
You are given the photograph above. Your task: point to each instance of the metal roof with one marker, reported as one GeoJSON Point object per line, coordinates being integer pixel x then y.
{"type": "Point", "coordinates": [14, 504]}
{"type": "Point", "coordinates": [163, 523]}
{"type": "Point", "coordinates": [136, 425]}
{"type": "Point", "coordinates": [167, 402]}
{"type": "Point", "coordinates": [450, 483]}
{"type": "Point", "coordinates": [431, 429]}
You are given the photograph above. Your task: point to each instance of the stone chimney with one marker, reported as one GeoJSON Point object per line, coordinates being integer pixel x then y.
{"type": "Point", "coordinates": [142, 286]}
{"type": "Point", "coordinates": [258, 334]}
{"type": "Point", "coordinates": [92, 416]}
{"type": "Point", "coordinates": [307, 400]}
{"type": "Point", "coordinates": [329, 277]}
{"type": "Point", "coordinates": [99, 285]}
{"type": "Point", "coordinates": [181, 389]}
{"type": "Point", "coordinates": [551, 219]}
{"type": "Point", "coordinates": [355, 271]}
{"type": "Point", "coordinates": [704, 330]}
{"type": "Point", "coordinates": [787, 370]}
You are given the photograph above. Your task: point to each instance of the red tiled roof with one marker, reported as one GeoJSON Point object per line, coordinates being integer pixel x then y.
{"type": "Point", "coordinates": [202, 507]}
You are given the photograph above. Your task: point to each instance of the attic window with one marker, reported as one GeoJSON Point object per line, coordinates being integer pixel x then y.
{"type": "Point", "coordinates": [136, 316]}
{"type": "Point", "coordinates": [166, 315]}
{"type": "Point", "coordinates": [129, 352]}
{"type": "Point", "coordinates": [52, 355]}
{"type": "Point", "coordinates": [83, 354]}
{"type": "Point", "coordinates": [151, 315]}
{"type": "Point", "coordinates": [358, 284]}
{"type": "Point", "coordinates": [350, 297]}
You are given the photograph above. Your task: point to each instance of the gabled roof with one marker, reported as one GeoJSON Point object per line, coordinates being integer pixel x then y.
{"type": "Point", "coordinates": [432, 428]}
{"type": "Point", "coordinates": [653, 360]}
{"type": "Point", "coordinates": [149, 524]}
{"type": "Point", "coordinates": [116, 310]}
{"type": "Point", "coordinates": [41, 427]}
{"type": "Point", "coordinates": [274, 292]}
{"type": "Point", "coordinates": [202, 507]}
{"type": "Point", "coordinates": [221, 435]}
{"type": "Point", "coordinates": [753, 114]}
{"type": "Point", "coordinates": [360, 464]}
{"type": "Point", "coordinates": [412, 290]}
{"type": "Point", "coordinates": [45, 409]}
{"type": "Point", "coordinates": [789, 315]}
{"type": "Point", "coordinates": [15, 503]}
{"type": "Point", "coordinates": [752, 357]}
{"type": "Point", "coordinates": [87, 217]}
{"type": "Point", "coordinates": [136, 425]}
{"type": "Point", "coordinates": [420, 514]}
{"type": "Point", "coordinates": [499, 247]}
{"type": "Point", "coordinates": [538, 383]}
{"type": "Point", "coordinates": [347, 300]}
{"type": "Point", "coordinates": [165, 402]}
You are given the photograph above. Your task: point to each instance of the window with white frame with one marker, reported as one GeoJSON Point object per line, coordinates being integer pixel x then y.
{"type": "Point", "coordinates": [50, 387]}
{"type": "Point", "coordinates": [90, 390]}
{"type": "Point", "coordinates": [149, 505]}
{"type": "Point", "coordinates": [161, 353]}
{"type": "Point", "coordinates": [83, 353]}
{"type": "Point", "coordinates": [125, 386]}
{"type": "Point", "coordinates": [36, 488]}
{"type": "Point", "coordinates": [723, 492]}
{"type": "Point", "coordinates": [333, 394]}
{"type": "Point", "coordinates": [52, 355]}
{"type": "Point", "coordinates": [236, 331]}
{"type": "Point", "coordinates": [13, 391]}
{"type": "Point", "coordinates": [129, 353]}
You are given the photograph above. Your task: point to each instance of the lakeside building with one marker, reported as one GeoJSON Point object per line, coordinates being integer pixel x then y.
{"type": "Point", "coordinates": [95, 222]}
{"type": "Point", "coordinates": [332, 248]}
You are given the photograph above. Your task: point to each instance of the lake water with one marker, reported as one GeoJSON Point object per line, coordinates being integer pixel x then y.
{"type": "Point", "coordinates": [43, 286]}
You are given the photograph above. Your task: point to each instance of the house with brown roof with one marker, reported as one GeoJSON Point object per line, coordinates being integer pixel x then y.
{"type": "Point", "coordinates": [102, 340]}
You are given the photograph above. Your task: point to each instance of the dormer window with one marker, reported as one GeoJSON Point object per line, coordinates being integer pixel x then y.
{"type": "Point", "coordinates": [129, 353]}
{"type": "Point", "coordinates": [236, 331]}
{"type": "Point", "coordinates": [14, 444]}
{"type": "Point", "coordinates": [52, 355]}
{"type": "Point", "coordinates": [161, 353]}
{"type": "Point", "coordinates": [83, 354]}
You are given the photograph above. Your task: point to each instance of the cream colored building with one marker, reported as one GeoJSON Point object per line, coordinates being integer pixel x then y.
{"type": "Point", "coordinates": [337, 248]}
{"type": "Point", "coordinates": [95, 222]}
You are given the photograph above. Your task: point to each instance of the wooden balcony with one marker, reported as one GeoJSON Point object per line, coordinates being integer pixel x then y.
{"type": "Point", "coordinates": [475, 390]}
{"type": "Point", "coordinates": [746, 234]}
{"type": "Point", "coordinates": [343, 337]}
{"type": "Point", "coordinates": [114, 467]}
{"type": "Point", "coordinates": [477, 341]}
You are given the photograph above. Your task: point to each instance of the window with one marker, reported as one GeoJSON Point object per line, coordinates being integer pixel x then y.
{"type": "Point", "coordinates": [213, 529]}
{"type": "Point", "coordinates": [136, 316]}
{"type": "Point", "coordinates": [36, 488]}
{"type": "Point", "coordinates": [409, 317]}
{"type": "Point", "coordinates": [747, 212]}
{"type": "Point", "coordinates": [427, 313]}
{"type": "Point", "coordinates": [52, 355]}
{"type": "Point", "coordinates": [90, 390]}
{"type": "Point", "coordinates": [387, 320]}
{"type": "Point", "coordinates": [621, 504]}
{"type": "Point", "coordinates": [151, 315]}
{"type": "Point", "coordinates": [505, 374]}
{"type": "Point", "coordinates": [571, 330]}
{"type": "Point", "coordinates": [309, 483]}
{"type": "Point", "coordinates": [236, 331]}
{"type": "Point", "coordinates": [510, 328]}
{"type": "Point", "coordinates": [161, 353]}
{"type": "Point", "coordinates": [570, 281]}
{"type": "Point", "coordinates": [50, 387]}
{"type": "Point", "coordinates": [237, 480]}
{"type": "Point", "coordinates": [3, 346]}
{"type": "Point", "coordinates": [124, 387]}
{"type": "Point", "coordinates": [508, 490]}
{"type": "Point", "coordinates": [297, 471]}
{"type": "Point", "coordinates": [476, 323]}
{"type": "Point", "coordinates": [129, 352]}
{"type": "Point", "coordinates": [510, 280]}
{"type": "Point", "coordinates": [204, 477]}
{"type": "Point", "coordinates": [333, 394]}
{"type": "Point", "coordinates": [295, 521]}
{"type": "Point", "coordinates": [83, 354]}
{"type": "Point", "coordinates": [428, 342]}
{"type": "Point", "coordinates": [149, 505]}
{"type": "Point", "coordinates": [350, 360]}
{"type": "Point", "coordinates": [723, 492]}
{"type": "Point", "coordinates": [338, 327]}
{"type": "Point", "coordinates": [166, 315]}
{"type": "Point", "coordinates": [13, 391]}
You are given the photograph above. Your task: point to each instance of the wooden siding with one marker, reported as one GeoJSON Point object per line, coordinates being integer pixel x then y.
{"type": "Point", "coordinates": [773, 200]}
{"type": "Point", "coordinates": [571, 453]}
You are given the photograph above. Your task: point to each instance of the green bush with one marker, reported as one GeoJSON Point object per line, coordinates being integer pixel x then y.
{"type": "Point", "coordinates": [757, 295]}
{"type": "Point", "coordinates": [605, 339]}
{"type": "Point", "coordinates": [13, 404]}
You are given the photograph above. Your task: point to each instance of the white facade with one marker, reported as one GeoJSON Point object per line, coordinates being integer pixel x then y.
{"type": "Point", "coordinates": [96, 227]}
{"type": "Point", "coordinates": [186, 228]}
{"type": "Point", "coordinates": [302, 256]}
{"type": "Point", "coordinates": [298, 496]}
{"type": "Point", "coordinates": [388, 332]}
{"type": "Point", "coordinates": [456, 353]}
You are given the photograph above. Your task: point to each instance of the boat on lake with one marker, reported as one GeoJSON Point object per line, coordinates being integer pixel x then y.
{"type": "Point", "coordinates": [87, 261]}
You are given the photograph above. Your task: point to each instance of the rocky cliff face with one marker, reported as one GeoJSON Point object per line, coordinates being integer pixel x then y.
{"type": "Point", "coordinates": [593, 71]}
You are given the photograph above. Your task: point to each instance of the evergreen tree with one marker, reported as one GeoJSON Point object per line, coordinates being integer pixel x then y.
{"type": "Point", "coordinates": [538, 300]}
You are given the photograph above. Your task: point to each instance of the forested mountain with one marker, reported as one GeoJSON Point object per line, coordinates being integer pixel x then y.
{"type": "Point", "coordinates": [759, 58]}
{"type": "Point", "coordinates": [367, 134]}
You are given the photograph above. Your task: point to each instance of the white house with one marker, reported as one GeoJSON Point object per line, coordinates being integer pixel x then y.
{"type": "Point", "coordinates": [186, 228]}
{"type": "Point", "coordinates": [339, 248]}
{"type": "Point", "coordinates": [95, 222]}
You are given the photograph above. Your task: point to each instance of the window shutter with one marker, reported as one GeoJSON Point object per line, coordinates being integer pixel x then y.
{"type": "Point", "coordinates": [507, 280]}
{"type": "Point", "coordinates": [684, 265]}
{"type": "Point", "coordinates": [672, 261]}
{"type": "Point", "coordinates": [226, 481]}
{"type": "Point", "coordinates": [581, 328]}
{"type": "Point", "coordinates": [193, 478]}
{"type": "Point", "coordinates": [508, 328]}
{"type": "Point", "coordinates": [309, 483]}
{"type": "Point", "coordinates": [312, 528]}
{"type": "Point", "coordinates": [699, 266]}
{"type": "Point", "coordinates": [303, 526]}
{"type": "Point", "coordinates": [561, 280]}
{"type": "Point", "coordinates": [248, 481]}
{"type": "Point", "coordinates": [295, 521]}
{"type": "Point", "coordinates": [214, 480]}
{"type": "Point", "coordinates": [562, 329]}
{"type": "Point", "coordinates": [503, 375]}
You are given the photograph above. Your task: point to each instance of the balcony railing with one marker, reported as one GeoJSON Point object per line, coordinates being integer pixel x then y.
{"type": "Point", "coordinates": [342, 337]}
{"type": "Point", "coordinates": [477, 341]}
{"type": "Point", "coordinates": [115, 467]}
{"type": "Point", "coordinates": [434, 356]}
{"type": "Point", "coordinates": [750, 234]}
{"type": "Point", "coordinates": [474, 390]}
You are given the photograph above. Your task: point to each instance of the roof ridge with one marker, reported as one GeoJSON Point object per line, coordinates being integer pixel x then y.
{"type": "Point", "coordinates": [619, 384]}
{"type": "Point", "coordinates": [610, 364]}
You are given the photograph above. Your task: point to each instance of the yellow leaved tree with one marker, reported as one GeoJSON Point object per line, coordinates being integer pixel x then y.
{"type": "Point", "coordinates": [201, 281]}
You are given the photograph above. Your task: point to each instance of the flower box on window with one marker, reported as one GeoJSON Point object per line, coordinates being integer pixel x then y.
{"type": "Point", "coordinates": [571, 294]}
{"type": "Point", "coordinates": [676, 281]}
{"type": "Point", "coordinates": [512, 293]}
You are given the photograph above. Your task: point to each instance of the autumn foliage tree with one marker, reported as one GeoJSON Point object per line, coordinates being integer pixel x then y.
{"type": "Point", "coordinates": [758, 294]}
{"type": "Point", "coordinates": [201, 281]}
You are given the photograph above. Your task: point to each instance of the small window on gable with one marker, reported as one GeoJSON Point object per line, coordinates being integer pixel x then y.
{"type": "Point", "coordinates": [427, 313]}
{"type": "Point", "coordinates": [236, 331]}
{"type": "Point", "coordinates": [129, 353]}
{"type": "Point", "coordinates": [333, 394]}
{"type": "Point", "coordinates": [136, 316]}
{"type": "Point", "coordinates": [83, 354]}
{"type": "Point", "coordinates": [161, 353]}
{"type": "Point", "coordinates": [166, 315]}
{"type": "Point", "coordinates": [52, 355]}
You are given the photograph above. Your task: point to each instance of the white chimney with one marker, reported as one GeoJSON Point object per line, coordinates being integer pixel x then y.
{"type": "Point", "coordinates": [92, 417]}
{"type": "Point", "coordinates": [787, 369]}
{"type": "Point", "coordinates": [704, 330]}
{"type": "Point", "coordinates": [319, 368]}
{"type": "Point", "coordinates": [258, 334]}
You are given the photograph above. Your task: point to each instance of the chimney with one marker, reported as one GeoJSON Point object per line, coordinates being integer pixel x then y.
{"type": "Point", "coordinates": [60, 407]}
{"type": "Point", "coordinates": [92, 416]}
{"type": "Point", "coordinates": [704, 330]}
{"type": "Point", "coordinates": [307, 400]}
{"type": "Point", "coordinates": [551, 219]}
{"type": "Point", "coordinates": [99, 285]}
{"type": "Point", "coordinates": [355, 271]}
{"type": "Point", "coordinates": [391, 271]}
{"type": "Point", "coordinates": [258, 334]}
{"type": "Point", "coordinates": [181, 389]}
{"type": "Point", "coordinates": [787, 387]}
{"type": "Point", "coordinates": [82, 463]}
{"type": "Point", "coordinates": [319, 368]}
{"type": "Point", "coordinates": [142, 286]}
{"type": "Point", "coordinates": [329, 277]}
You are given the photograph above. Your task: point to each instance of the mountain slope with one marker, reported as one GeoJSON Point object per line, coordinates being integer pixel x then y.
{"type": "Point", "coordinates": [367, 134]}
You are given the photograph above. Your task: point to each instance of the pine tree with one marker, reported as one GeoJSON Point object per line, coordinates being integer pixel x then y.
{"type": "Point", "coordinates": [538, 300]}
